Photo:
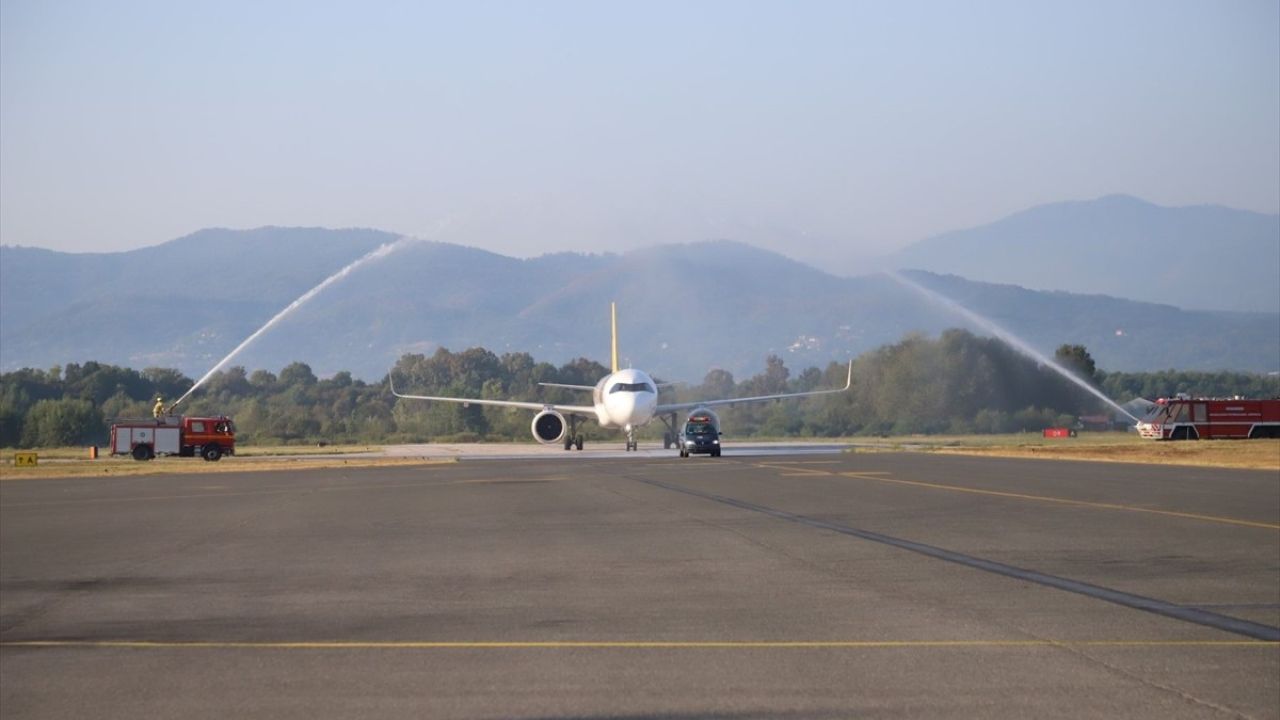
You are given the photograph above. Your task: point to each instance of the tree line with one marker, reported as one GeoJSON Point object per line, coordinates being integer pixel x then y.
{"type": "Point", "coordinates": [955, 383]}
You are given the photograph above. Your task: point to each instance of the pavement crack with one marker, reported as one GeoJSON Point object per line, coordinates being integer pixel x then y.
{"type": "Point", "coordinates": [1184, 695]}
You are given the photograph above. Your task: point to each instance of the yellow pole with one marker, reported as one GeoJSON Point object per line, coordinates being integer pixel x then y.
{"type": "Point", "coordinates": [613, 315]}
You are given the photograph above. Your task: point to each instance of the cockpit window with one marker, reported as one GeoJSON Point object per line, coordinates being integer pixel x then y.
{"type": "Point", "coordinates": [632, 387]}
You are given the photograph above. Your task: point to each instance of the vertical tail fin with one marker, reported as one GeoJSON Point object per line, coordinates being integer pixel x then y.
{"type": "Point", "coordinates": [613, 318]}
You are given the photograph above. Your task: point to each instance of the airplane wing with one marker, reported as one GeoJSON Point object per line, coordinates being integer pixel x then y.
{"type": "Point", "coordinates": [672, 407]}
{"type": "Point", "coordinates": [586, 410]}
{"type": "Point", "coordinates": [588, 388]}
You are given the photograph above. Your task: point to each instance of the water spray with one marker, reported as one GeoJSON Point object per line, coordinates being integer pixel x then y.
{"type": "Point", "coordinates": [1009, 338]}
{"type": "Point", "coordinates": [380, 252]}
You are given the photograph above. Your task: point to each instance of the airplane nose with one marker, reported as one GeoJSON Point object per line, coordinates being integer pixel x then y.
{"type": "Point", "coordinates": [622, 408]}
{"type": "Point", "coordinates": [630, 408]}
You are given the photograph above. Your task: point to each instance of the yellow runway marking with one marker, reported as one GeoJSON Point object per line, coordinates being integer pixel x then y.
{"type": "Point", "coordinates": [794, 465]}
{"type": "Point", "coordinates": [793, 471]}
{"type": "Point", "coordinates": [625, 645]}
{"type": "Point", "coordinates": [801, 462]}
{"type": "Point", "coordinates": [789, 469]}
{"type": "Point", "coordinates": [1062, 501]}
{"type": "Point", "coordinates": [509, 481]}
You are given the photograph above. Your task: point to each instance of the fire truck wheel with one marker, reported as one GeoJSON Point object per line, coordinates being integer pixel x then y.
{"type": "Point", "coordinates": [142, 452]}
{"type": "Point", "coordinates": [212, 453]}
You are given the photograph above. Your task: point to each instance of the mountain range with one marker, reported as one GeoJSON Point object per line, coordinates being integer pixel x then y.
{"type": "Point", "coordinates": [1203, 257]}
{"type": "Point", "coordinates": [683, 309]}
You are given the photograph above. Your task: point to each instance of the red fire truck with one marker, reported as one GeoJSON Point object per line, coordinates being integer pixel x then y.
{"type": "Point", "coordinates": [1184, 418]}
{"type": "Point", "coordinates": [145, 438]}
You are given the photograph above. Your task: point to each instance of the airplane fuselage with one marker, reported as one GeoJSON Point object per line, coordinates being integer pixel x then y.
{"type": "Point", "coordinates": [625, 400]}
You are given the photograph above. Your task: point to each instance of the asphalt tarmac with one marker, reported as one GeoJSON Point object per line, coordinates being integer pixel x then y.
{"type": "Point", "coordinates": [815, 585]}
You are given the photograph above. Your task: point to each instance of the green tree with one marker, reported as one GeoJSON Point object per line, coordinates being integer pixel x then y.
{"type": "Point", "coordinates": [57, 423]}
{"type": "Point", "coordinates": [263, 381]}
{"type": "Point", "coordinates": [717, 384]}
{"type": "Point", "coordinates": [167, 382]}
{"type": "Point", "coordinates": [229, 383]}
{"type": "Point", "coordinates": [297, 374]}
{"type": "Point", "coordinates": [1077, 360]}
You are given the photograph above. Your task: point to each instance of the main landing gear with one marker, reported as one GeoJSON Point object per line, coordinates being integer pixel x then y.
{"type": "Point", "coordinates": [670, 437]}
{"type": "Point", "coordinates": [573, 439]}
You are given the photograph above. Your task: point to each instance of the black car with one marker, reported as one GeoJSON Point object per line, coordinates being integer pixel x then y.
{"type": "Point", "coordinates": [701, 435]}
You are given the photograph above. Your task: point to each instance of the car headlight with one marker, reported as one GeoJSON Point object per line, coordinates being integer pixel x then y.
{"type": "Point", "coordinates": [688, 443]}
{"type": "Point", "coordinates": [715, 442]}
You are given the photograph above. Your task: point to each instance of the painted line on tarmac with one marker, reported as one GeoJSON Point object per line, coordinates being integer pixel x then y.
{"type": "Point", "coordinates": [1257, 631]}
{"type": "Point", "coordinates": [800, 462]}
{"type": "Point", "coordinates": [1061, 501]}
{"type": "Point", "coordinates": [509, 481]}
{"type": "Point", "coordinates": [797, 469]}
{"type": "Point", "coordinates": [873, 475]}
{"type": "Point", "coordinates": [623, 645]}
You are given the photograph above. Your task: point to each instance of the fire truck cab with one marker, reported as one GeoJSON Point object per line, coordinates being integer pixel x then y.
{"type": "Point", "coordinates": [1184, 418]}
{"type": "Point", "coordinates": [144, 439]}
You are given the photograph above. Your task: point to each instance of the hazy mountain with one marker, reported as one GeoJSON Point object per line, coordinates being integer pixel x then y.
{"type": "Point", "coordinates": [682, 309]}
{"type": "Point", "coordinates": [1203, 257]}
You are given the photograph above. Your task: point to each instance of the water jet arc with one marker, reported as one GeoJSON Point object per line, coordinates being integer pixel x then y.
{"type": "Point", "coordinates": [1009, 338]}
{"type": "Point", "coordinates": [380, 252]}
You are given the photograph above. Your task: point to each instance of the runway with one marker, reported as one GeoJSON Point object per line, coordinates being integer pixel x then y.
{"type": "Point", "coordinates": [612, 585]}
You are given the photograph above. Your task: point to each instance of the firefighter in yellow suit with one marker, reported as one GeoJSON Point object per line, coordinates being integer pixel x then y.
{"type": "Point", "coordinates": [158, 410]}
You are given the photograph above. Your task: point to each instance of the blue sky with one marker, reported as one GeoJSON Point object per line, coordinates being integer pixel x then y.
{"type": "Point", "coordinates": [821, 129]}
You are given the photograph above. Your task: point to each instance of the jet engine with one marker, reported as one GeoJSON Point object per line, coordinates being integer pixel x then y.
{"type": "Point", "coordinates": [548, 427]}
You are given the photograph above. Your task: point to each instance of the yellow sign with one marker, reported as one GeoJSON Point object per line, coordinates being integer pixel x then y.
{"type": "Point", "coordinates": [25, 459]}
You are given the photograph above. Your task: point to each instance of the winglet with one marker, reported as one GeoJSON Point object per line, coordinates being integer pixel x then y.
{"type": "Point", "coordinates": [613, 318]}
{"type": "Point", "coordinates": [848, 383]}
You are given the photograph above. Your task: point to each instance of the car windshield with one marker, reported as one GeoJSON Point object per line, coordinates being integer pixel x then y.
{"type": "Point", "coordinates": [699, 428]}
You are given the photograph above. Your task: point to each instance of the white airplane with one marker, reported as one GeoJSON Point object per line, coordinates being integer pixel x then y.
{"type": "Point", "coordinates": [625, 399]}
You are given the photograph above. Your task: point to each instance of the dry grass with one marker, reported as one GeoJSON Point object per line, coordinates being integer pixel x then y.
{"type": "Point", "coordinates": [1100, 447]}
{"type": "Point", "coordinates": [244, 451]}
{"type": "Point", "coordinates": [75, 462]}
